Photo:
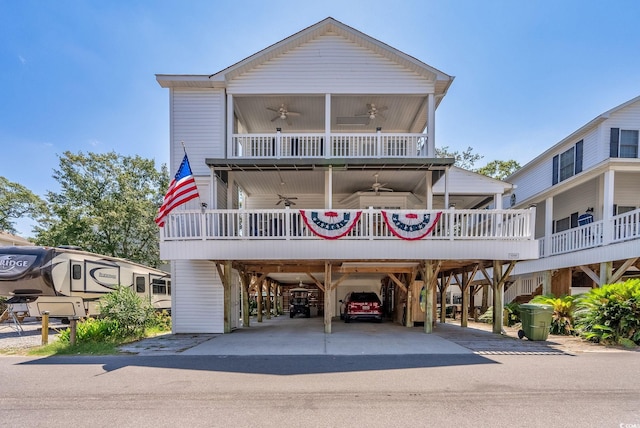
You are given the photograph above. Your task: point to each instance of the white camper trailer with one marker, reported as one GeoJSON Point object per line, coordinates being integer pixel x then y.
{"type": "Point", "coordinates": [68, 282]}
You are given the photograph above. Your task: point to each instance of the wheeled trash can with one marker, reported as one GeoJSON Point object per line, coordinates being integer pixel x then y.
{"type": "Point", "coordinates": [536, 321]}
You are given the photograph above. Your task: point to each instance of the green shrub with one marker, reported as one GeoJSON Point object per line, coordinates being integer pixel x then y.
{"type": "Point", "coordinates": [563, 308]}
{"type": "Point", "coordinates": [159, 321]}
{"type": "Point", "coordinates": [611, 314]}
{"type": "Point", "coordinates": [127, 310]}
{"type": "Point", "coordinates": [91, 330]}
{"type": "Point", "coordinates": [512, 313]}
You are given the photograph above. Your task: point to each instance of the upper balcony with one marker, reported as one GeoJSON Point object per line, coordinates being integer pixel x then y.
{"type": "Point", "coordinates": [300, 145]}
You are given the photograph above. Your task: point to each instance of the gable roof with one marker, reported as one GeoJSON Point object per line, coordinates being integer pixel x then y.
{"type": "Point", "coordinates": [462, 181]}
{"type": "Point", "coordinates": [574, 136]}
{"type": "Point", "coordinates": [328, 25]}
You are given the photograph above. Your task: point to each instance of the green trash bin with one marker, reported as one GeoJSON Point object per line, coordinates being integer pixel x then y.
{"type": "Point", "coordinates": [536, 321]}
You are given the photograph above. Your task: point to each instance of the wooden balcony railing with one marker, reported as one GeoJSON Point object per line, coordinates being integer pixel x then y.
{"type": "Point", "coordinates": [288, 224]}
{"type": "Point", "coordinates": [318, 145]}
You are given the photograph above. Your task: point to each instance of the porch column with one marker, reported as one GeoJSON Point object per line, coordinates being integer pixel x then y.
{"type": "Point", "coordinates": [431, 125]}
{"type": "Point", "coordinates": [328, 188]}
{"type": "Point", "coordinates": [213, 189]}
{"type": "Point", "coordinates": [446, 188]}
{"type": "Point", "coordinates": [428, 177]}
{"type": "Point", "coordinates": [429, 283]}
{"type": "Point", "coordinates": [548, 226]}
{"type": "Point", "coordinates": [328, 298]}
{"type": "Point", "coordinates": [607, 209]}
{"type": "Point", "coordinates": [230, 186]}
{"type": "Point", "coordinates": [328, 147]}
{"type": "Point", "coordinates": [230, 149]}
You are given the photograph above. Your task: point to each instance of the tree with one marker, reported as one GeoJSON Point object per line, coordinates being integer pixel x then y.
{"type": "Point", "coordinates": [499, 169]}
{"type": "Point", "coordinates": [106, 205]}
{"type": "Point", "coordinates": [465, 160]}
{"type": "Point", "coordinates": [17, 201]}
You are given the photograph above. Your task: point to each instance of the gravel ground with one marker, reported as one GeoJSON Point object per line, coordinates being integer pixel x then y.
{"type": "Point", "coordinates": [12, 340]}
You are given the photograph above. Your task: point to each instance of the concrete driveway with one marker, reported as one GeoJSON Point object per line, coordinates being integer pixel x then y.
{"type": "Point", "coordinates": [305, 336]}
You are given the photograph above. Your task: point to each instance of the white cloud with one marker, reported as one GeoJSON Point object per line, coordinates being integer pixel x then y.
{"type": "Point", "coordinates": [22, 59]}
{"type": "Point", "coordinates": [94, 143]}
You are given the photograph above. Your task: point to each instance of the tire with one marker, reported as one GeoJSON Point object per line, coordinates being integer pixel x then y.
{"type": "Point", "coordinates": [308, 314]}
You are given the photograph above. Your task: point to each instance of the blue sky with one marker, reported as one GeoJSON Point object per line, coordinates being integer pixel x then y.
{"type": "Point", "coordinates": [79, 75]}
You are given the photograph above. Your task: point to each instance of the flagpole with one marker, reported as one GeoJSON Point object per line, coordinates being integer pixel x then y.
{"type": "Point", "coordinates": [203, 205]}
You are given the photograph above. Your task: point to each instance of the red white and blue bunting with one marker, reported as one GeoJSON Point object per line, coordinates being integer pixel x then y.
{"type": "Point", "coordinates": [330, 224]}
{"type": "Point", "coordinates": [410, 225]}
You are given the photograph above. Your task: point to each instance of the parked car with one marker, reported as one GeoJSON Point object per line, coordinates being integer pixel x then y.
{"type": "Point", "coordinates": [361, 305]}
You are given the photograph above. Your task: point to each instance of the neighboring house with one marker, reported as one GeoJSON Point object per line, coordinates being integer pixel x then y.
{"type": "Point", "coordinates": [7, 239]}
{"type": "Point", "coordinates": [586, 190]}
{"type": "Point", "coordinates": [315, 161]}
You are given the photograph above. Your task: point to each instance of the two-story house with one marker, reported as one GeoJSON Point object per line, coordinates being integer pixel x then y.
{"type": "Point", "coordinates": [585, 189]}
{"type": "Point", "coordinates": [316, 165]}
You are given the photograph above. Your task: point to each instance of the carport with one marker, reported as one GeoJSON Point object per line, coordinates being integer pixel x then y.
{"type": "Point", "coordinates": [408, 279]}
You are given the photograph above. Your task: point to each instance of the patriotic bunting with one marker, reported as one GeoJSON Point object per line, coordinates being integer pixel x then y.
{"type": "Point", "coordinates": [410, 225]}
{"type": "Point", "coordinates": [330, 224]}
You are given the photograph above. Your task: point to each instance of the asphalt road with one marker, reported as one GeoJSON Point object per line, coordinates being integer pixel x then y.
{"type": "Point", "coordinates": [463, 390]}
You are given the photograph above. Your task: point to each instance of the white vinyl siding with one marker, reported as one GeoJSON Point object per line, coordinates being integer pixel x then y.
{"type": "Point", "coordinates": [197, 297]}
{"type": "Point", "coordinates": [330, 64]}
{"type": "Point", "coordinates": [197, 119]}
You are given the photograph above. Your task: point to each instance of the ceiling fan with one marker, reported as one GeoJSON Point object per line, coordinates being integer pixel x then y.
{"type": "Point", "coordinates": [374, 112]}
{"type": "Point", "coordinates": [379, 187]}
{"type": "Point", "coordinates": [283, 113]}
{"type": "Point", "coordinates": [286, 199]}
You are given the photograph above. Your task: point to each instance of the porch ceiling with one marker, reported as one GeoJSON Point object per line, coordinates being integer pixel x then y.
{"type": "Point", "coordinates": [290, 272]}
{"type": "Point", "coordinates": [396, 113]}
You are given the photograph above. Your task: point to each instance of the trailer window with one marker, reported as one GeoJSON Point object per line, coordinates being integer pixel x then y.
{"type": "Point", "coordinates": [76, 272]}
{"type": "Point", "coordinates": [140, 284]}
{"type": "Point", "coordinates": [159, 286]}
{"type": "Point", "coordinates": [169, 288]}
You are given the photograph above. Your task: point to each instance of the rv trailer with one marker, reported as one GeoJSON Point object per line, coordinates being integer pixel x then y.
{"type": "Point", "coordinates": [68, 282]}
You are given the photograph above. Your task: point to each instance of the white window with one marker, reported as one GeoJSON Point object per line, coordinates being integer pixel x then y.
{"type": "Point", "coordinates": [628, 144]}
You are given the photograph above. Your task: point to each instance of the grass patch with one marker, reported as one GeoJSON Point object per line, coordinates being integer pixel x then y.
{"type": "Point", "coordinates": [82, 348]}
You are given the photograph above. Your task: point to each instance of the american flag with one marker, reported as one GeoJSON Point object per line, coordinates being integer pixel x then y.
{"type": "Point", "coordinates": [181, 190]}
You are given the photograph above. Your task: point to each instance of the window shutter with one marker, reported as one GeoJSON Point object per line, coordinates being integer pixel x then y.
{"type": "Point", "coordinates": [614, 142]}
{"type": "Point", "coordinates": [578, 162]}
{"type": "Point", "coordinates": [556, 166]}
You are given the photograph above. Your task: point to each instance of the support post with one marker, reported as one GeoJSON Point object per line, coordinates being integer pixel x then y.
{"type": "Point", "coordinates": [259, 287]}
{"type": "Point", "coordinates": [73, 324]}
{"type": "Point", "coordinates": [409, 311]}
{"type": "Point", "coordinates": [328, 298]}
{"type": "Point", "coordinates": [244, 283]}
{"type": "Point", "coordinates": [464, 321]}
{"type": "Point", "coordinates": [45, 327]}
{"type": "Point", "coordinates": [429, 282]}
{"type": "Point", "coordinates": [498, 302]}
{"type": "Point", "coordinates": [226, 283]}
{"type": "Point", "coordinates": [268, 305]}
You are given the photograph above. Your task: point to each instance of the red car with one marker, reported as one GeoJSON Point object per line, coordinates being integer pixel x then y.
{"type": "Point", "coordinates": [361, 305]}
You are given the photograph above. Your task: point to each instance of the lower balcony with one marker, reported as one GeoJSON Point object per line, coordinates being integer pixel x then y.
{"type": "Point", "coordinates": [371, 234]}
{"type": "Point", "coordinates": [620, 228]}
